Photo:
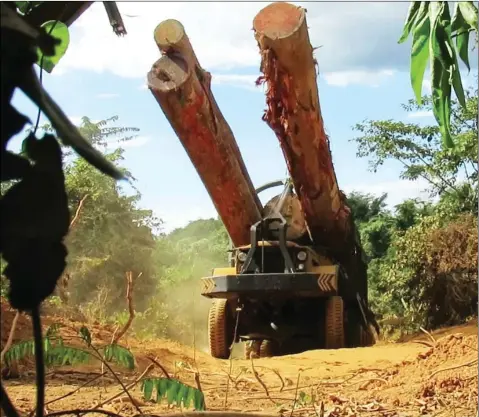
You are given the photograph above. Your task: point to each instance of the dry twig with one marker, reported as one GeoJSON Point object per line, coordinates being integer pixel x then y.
{"type": "Point", "coordinates": [256, 375]}
{"type": "Point", "coordinates": [429, 335]}
{"type": "Point", "coordinates": [128, 387]}
{"type": "Point", "coordinates": [129, 298]}
{"type": "Point", "coordinates": [76, 389]}
{"type": "Point", "coordinates": [450, 368]}
{"type": "Point", "coordinates": [159, 365]}
{"type": "Point", "coordinates": [8, 344]}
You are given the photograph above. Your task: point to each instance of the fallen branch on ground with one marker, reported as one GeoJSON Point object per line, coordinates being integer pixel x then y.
{"type": "Point", "coordinates": [450, 368]}
{"type": "Point", "coordinates": [275, 371]}
{"type": "Point", "coordinates": [128, 387]}
{"type": "Point", "coordinates": [256, 375]}
{"type": "Point", "coordinates": [76, 389]}
{"type": "Point", "coordinates": [429, 335]}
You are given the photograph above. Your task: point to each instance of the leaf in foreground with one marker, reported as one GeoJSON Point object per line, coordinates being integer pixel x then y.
{"type": "Point", "coordinates": [174, 391]}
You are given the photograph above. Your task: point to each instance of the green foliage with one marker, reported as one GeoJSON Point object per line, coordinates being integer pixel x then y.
{"type": "Point", "coordinates": [99, 254]}
{"type": "Point", "coordinates": [58, 354]}
{"type": "Point", "coordinates": [422, 255]}
{"type": "Point", "coordinates": [174, 391]}
{"type": "Point", "coordinates": [418, 149]}
{"type": "Point", "coordinates": [55, 352]}
{"type": "Point", "coordinates": [54, 28]}
{"type": "Point", "coordinates": [433, 32]}
{"type": "Point", "coordinates": [26, 7]}
{"type": "Point", "coordinates": [60, 32]}
{"type": "Point", "coordinates": [118, 354]}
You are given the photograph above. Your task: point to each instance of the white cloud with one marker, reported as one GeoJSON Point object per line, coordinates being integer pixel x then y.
{"type": "Point", "coordinates": [397, 191]}
{"type": "Point", "coordinates": [421, 114]}
{"type": "Point", "coordinates": [106, 96]}
{"type": "Point", "coordinates": [360, 37]}
{"type": "Point", "coordinates": [345, 78]}
{"type": "Point", "coordinates": [237, 80]}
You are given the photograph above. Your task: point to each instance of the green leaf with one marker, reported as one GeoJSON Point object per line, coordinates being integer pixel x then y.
{"type": "Point", "coordinates": [410, 19]}
{"type": "Point", "coordinates": [147, 388]}
{"type": "Point", "coordinates": [442, 69]}
{"type": "Point", "coordinates": [59, 31]}
{"type": "Point", "coordinates": [119, 354]}
{"type": "Point", "coordinates": [175, 392]}
{"type": "Point", "coordinates": [181, 394]}
{"type": "Point", "coordinates": [459, 25]}
{"type": "Point", "coordinates": [26, 6]}
{"type": "Point", "coordinates": [85, 335]}
{"type": "Point", "coordinates": [161, 388]}
{"type": "Point", "coordinates": [420, 50]}
{"type": "Point", "coordinates": [469, 12]}
{"type": "Point", "coordinates": [199, 401]}
{"type": "Point", "coordinates": [173, 388]}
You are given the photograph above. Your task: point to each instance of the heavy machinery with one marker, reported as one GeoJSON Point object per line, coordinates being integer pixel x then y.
{"type": "Point", "coordinates": [297, 277]}
{"type": "Point", "coordinates": [281, 293]}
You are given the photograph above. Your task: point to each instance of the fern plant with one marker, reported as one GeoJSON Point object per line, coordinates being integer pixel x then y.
{"type": "Point", "coordinates": [174, 391]}
{"type": "Point", "coordinates": [58, 354]}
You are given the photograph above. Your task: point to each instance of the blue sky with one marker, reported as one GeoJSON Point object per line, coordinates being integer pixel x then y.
{"type": "Point", "coordinates": [363, 74]}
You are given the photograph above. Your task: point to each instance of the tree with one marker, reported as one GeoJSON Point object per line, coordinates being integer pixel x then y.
{"type": "Point", "coordinates": [448, 171]}
{"type": "Point", "coordinates": [433, 32]}
{"type": "Point", "coordinates": [112, 235]}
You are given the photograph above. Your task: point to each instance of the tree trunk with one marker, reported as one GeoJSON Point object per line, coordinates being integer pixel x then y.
{"type": "Point", "coordinates": [182, 89]}
{"type": "Point", "coordinates": [294, 114]}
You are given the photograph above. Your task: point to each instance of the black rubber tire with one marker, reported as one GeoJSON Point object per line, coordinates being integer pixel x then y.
{"type": "Point", "coordinates": [367, 337]}
{"type": "Point", "coordinates": [334, 323]}
{"type": "Point", "coordinates": [220, 331]}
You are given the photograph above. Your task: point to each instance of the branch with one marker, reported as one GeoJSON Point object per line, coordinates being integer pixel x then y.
{"type": "Point", "coordinates": [256, 375]}
{"type": "Point", "coordinates": [159, 365]}
{"type": "Point", "coordinates": [125, 389]}
{"type": "Point", "coordinates": [77, 213]}
{"type": "Point", "coordinates": [450, 368]}
{"type": "Point", "coordinates": [129, 298]}
{"type": "Point", "coordinates": [10, 336]}
{"type": "Point", "coordinates": [76, 389]}
{"type": "Point", "coordinates": [128, 387]}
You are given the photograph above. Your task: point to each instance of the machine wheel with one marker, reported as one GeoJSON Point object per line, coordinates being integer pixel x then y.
{"type": "Point", "coordinates": [367, 336]}
{"type": "Point", "coordinates": [334, 315]}
{"type": "Point", "coordinates": [220, 333]}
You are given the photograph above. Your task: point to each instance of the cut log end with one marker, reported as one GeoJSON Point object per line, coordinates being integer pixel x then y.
{"type": "Point", "coordinates": [278, 20]}
{"type": "Point", "coordinates": [168, 73]}
{"type": "Point", "coordinates": [169, 33]}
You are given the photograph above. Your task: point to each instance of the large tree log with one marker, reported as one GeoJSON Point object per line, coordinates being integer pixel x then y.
{"type": "Point", "coordinates": [182, 89]}
{"type": "Point", "coordinates": [294, 114]}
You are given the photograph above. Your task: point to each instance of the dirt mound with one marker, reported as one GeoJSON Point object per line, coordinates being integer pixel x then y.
{"type": "Point", "coordinates": [421, 377]}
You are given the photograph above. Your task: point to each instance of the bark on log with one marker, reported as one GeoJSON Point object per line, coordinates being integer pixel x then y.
{"type": "Point", "coordinates": [182, 89]}
{"type": "Point", "coordinates": [294, 114]}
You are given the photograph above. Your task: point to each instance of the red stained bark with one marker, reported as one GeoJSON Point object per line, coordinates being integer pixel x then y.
{"type": "Point", "coordinates": [182, 89]}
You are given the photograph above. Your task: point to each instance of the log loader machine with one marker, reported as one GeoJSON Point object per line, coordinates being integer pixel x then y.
{"type": "Point", "coordinates": [282, 294]}
{"type": "Point", "coordinates": [297, 275]}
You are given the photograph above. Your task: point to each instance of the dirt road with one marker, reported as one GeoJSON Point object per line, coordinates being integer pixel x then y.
{"type": "Point", "coordinates": [401, 379]}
